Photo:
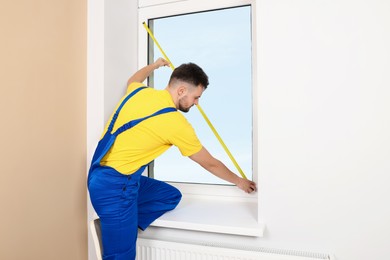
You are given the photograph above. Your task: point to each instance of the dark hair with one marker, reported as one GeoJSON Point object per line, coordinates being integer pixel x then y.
{"type": "Point", "coordinates": [190, 73]}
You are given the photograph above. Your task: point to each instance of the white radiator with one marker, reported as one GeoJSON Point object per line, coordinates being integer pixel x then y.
{"type": "Point", "coordinates": [149, 249]}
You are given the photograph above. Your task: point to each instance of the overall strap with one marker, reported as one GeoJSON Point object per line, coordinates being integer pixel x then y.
{"type": "Point", "coordinates": [115, 116]}
{"type": "Point", "coordinates": [134, 122]}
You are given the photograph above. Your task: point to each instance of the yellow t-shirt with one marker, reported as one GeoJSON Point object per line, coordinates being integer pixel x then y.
{"type": "Point", "coordinates": [143, 143]}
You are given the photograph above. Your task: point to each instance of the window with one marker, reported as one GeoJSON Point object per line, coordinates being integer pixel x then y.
{"type": "Point", "coordinates": [218, 36]}
{"type": "Point", "coordinates": [206, 33]}
{"type": "Point", "coordinates": [220, 42]}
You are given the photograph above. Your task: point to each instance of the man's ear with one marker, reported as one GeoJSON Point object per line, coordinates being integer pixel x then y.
{"type": "Point", "coordinates": [181, 90]}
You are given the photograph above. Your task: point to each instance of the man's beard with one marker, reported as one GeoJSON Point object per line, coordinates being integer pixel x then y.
{"type": "Point", "coordinates": [182, 108]}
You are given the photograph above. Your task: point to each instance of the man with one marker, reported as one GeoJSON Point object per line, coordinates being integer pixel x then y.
{"type": "Point", "coordinates": [144, 125]}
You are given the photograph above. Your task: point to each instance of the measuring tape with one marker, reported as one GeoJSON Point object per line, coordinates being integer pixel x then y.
{"type": "Point", "coordinates": [199, 108]}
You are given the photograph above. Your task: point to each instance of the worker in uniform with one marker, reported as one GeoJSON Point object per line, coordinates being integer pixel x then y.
{"type": "Point", "coordinates": [145, 123]}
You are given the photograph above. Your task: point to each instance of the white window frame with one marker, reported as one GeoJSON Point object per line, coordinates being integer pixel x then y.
{"type": "Point", "coordinates": [195, 194]}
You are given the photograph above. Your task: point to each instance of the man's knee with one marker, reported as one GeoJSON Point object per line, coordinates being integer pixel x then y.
{"type": "Point", "coordinates": [177, 195]}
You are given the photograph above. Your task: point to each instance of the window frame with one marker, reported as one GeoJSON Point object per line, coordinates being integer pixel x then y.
{"type": "Point", "coordinates": [152, 9]}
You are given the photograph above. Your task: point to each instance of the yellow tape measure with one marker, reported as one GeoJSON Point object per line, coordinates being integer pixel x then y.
{"type": "Point", "coordinates": [199, 108]}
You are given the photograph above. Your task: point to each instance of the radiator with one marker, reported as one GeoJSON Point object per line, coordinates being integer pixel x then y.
{"type": "Point", "coordinates": [149, 249]}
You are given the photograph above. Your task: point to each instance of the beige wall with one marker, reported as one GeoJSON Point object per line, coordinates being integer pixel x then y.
{"type": "Point", "coordinates": [43, 129]}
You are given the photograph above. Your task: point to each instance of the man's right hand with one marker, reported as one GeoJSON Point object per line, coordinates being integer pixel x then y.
{"type": "Point", "coordinates": [247, 185]}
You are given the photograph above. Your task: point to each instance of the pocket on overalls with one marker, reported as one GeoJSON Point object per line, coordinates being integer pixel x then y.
{"type": "Point", "coordinates": [130, 190]}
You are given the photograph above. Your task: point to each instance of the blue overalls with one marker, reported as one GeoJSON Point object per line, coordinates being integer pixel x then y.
{"type": "Point", "coordinates": [126, 202]}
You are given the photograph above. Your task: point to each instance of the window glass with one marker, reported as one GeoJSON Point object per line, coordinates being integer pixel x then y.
{"type": "Point", "coordinates": [219, 41]}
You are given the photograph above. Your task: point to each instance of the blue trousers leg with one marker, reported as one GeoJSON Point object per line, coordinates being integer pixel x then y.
{"type": "Point", "coordinates": [125, 203]}
{"type": "Point", "coordinates": [114, 198]}
{"type": "Point", "coordinates": [154, 199]}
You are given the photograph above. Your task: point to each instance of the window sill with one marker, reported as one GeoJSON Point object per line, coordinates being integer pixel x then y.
{"type": "Point", "coordinates": [213, 214]}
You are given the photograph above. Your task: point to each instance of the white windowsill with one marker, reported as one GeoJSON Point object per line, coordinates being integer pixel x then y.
{"type": "Point", "coordinates": [214, 214]}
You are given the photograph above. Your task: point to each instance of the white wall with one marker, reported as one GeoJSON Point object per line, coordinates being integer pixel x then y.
{"type": "Point", "coordinates": [325, 124]}
{"type": "Point", "coordinates": [324, 118]}
{"type": "Point", "coordinates": [112, 58]}
{"type": "Point", "coordinates": [120, 49]}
